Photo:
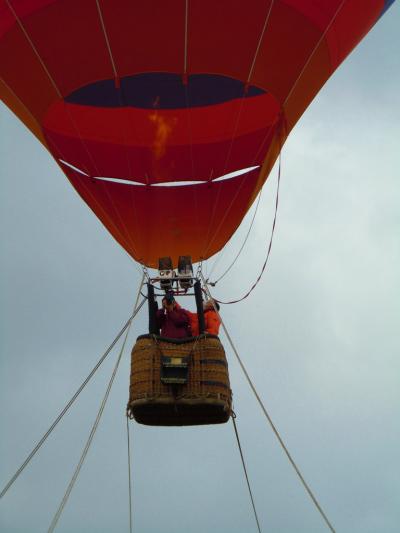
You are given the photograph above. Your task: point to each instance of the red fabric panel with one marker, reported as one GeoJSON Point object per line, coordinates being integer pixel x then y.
{"type": "Point", "coordinates": [22, 8]}
{"type": "Point", "coordinates": [352, 23]}
{"type": "Point", "coordinates": [318, 13]}
{"type": "Point", "coordinates": [139, 126]}
{"type": "Point", "coordinates": [146, 36]}
{"type": "Point", "coordinates": [223, 35]}
{"type": "Point", "coordinates": [21, 111]}
{"type": "Point", "coordinates": [139, 164]}
{"type": "Point", "coordinates": [154, 221]}
{"type": "Point", "coordinates": [23, 73]}
{"type": "Point", "coordinates": [124, 143]}
{"type": "Point", "coordinates": [286, 47]}
{"type": "Point", "coordinates": [65, 31]}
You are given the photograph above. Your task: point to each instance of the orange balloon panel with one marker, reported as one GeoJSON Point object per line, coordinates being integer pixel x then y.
{"type": "Point", "coordinates": [167, 117]}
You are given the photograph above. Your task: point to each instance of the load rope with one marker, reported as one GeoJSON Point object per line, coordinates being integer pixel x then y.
{"type": "Point", "coordinates": [68, 405]}
{"type": "Point", "coordinates": [268, 417]}
{"type": "Point", "coordinates": [269, 247]}
{"type": "Point", "coordinates": [241, 248]}
{"type": "Point", "coordinates": [245, 471]}
{"type": "Point", "coordinates": [94, 426]}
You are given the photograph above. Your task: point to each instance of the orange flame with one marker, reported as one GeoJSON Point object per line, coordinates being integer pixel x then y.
{"type": "Point", "coordinates": [163, 131]}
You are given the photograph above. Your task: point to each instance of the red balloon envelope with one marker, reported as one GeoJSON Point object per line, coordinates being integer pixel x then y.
{"type": "Point", "coordinates": [167, 117]}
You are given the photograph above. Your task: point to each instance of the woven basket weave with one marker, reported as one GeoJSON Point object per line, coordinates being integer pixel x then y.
{"type": "Point", "coordinates": [206, 398]}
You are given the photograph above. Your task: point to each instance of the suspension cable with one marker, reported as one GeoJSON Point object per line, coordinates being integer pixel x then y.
{"type": "Point", "coordinates": [94, 426]}
{"type": "Point", "coordinates": [268, 417]}
{"type": "Point", "coordinates": [245, 471]}
{"type": "Point", "coordinates": [129, 474]}
{"type": "Point", "coordinates": [223, 250]}
{"type": "Point", "coordinates": [243, 244]}
{"type": "Point", "coordinates": [68, 405]}
{"type": "Point", "coordinates": [269, 246]}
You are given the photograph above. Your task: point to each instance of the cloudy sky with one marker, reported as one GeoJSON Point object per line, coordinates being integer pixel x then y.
{"type": "Point", "coordinates": [319, 336]}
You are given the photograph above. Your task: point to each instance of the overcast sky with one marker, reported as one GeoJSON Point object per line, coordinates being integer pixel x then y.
{"type": "Point", "coordinates": [319, 336]}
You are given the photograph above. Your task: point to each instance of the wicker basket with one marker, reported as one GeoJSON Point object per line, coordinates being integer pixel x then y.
{"type": "Point", "coordinates": [206, 396]}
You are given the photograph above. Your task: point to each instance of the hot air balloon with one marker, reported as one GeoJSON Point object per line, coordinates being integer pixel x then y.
{"type": "Point", "coordinates": [167, 117]}
{"type": "Point", "coordinates": [150, 108]}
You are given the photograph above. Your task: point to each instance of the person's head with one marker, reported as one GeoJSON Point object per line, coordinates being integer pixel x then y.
{"type": "Point", "coordinates": [168, 301]}
{"type": "Point", "coordinates": [209, 304]}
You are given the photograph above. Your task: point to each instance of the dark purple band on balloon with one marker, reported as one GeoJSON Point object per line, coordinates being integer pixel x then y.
{"type": "Point", "coordinates": [160, 90]}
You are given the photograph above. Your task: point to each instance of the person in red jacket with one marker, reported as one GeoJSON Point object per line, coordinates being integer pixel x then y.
{"type": "Point", "coordinates": [211, 319]}
{"type": "Point", "coordinates": [172, 320]}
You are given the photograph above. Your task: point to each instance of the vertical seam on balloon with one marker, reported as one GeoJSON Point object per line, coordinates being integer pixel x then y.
{"type": "Point", "coordinates": [313, 52]}
{"type": "Point", "coordinates": [124, 136]}
{"type": "Point", "coordinates": [260, 41]}
{"type": "Point", "coordinates": [189, 125]}
{"type": "Point", "coordinates": [210, 184]}
{"type": "Point", "coordinates": [116, 77]}
{"type": "Point", "coordinates": [86, 149]}
{"type": "Point", "coordinates": [186, 37]}
{"type": "Point", "coordinates": [227, 157]}
{"type": "Point", "coordinates": [213, 211]}
{"type": "Point", "coordinates": [123, 227]}
{"type": "Point", "coordinates": [210, 241]}
{"type": "Point", "coordinates": [106, 39]}
{"type": "Point", "coordinates": [35, 50]}
{"type": "Point", "coordinates": [196, 207]}
{"type": "Point", "coordinates": [132, 196]}
{"type": "Point", "coordinates": [189, 122]}
{"type": "Point", "coordinates": [123, 231]}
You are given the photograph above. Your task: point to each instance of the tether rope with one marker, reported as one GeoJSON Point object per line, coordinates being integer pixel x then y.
{"type": "Point", "coordinates": [245, 472]}
{"type": "Point", "coordinates": [129, 474]}
{"type": "Point", "coordinates": [268, 417]}
{"type": "Point", "coordinates": [95, 425]}
{"type": "Point", "coordinates": [68, 405]}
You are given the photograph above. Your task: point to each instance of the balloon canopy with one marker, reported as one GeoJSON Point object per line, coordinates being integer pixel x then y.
{"type": "Point", "coordinates": [167, 117]}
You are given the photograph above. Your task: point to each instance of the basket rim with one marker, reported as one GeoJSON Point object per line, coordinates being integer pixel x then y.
{"type": "Point", "coordinates": [177, 341]}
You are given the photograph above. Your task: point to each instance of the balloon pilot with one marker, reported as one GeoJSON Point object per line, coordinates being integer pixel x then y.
{"type": "Point", "coordinates": [172, 319]}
